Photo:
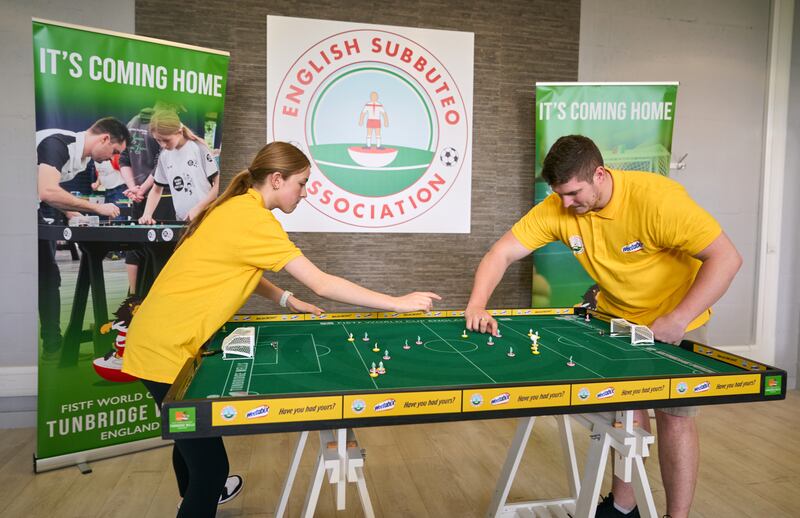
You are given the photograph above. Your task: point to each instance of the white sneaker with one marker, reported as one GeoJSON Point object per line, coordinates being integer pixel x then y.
{"type": "Point", "coordinates": [233, 486]}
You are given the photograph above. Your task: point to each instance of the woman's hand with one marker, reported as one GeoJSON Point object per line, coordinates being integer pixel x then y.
{"type": "Point", "coordinates": [298, 306]}
{"type": "Point", "coordinates": [416, 301]}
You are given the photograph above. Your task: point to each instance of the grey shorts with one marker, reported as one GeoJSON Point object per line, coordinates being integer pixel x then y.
{"type": "Point", "coordinates": [699, 335]}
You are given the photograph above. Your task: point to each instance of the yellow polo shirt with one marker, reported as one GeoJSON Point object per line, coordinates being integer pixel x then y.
{"type": "Point", "coordinates": [639, 248]}
{"type": "Point", "coordinates": [207, 279]}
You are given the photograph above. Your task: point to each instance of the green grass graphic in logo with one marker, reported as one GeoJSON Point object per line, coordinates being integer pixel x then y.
{"type": "Point", "coordinates": [337, 164]}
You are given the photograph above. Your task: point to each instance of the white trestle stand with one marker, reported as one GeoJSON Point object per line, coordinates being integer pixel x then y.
{"type": "Point", "coordinates": [344, 464]}
{"type": "Point", "coordinates": [630, 444]}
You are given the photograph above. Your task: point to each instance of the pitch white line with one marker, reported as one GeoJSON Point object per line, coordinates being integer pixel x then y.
{"type": "Point", "coordinates": [230, 368]}
{"type": "Point", "coordinates": [359, 355]}
{"type": "Point", "coordinates": [554, 350]}
{"type": "Point", "coordinates": [359, 168]}
{"type": "Point", "coordinates": [653, 353]}
{"type": "Point", "coordinates": [459, 352]}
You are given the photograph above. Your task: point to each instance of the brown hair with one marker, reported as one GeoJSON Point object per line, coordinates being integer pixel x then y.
{"type": "Point", "coordinates": [115, 129]}
{"type": "Point", "coordinates": [275, 157]}
{"type": "Point", "coordinates": [572, 156]}
{"type": "Point", "coordinates": [167, 122]}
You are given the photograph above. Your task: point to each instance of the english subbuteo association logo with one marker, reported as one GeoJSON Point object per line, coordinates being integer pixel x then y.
{"type": "Point", "coordinates": [382, 121]}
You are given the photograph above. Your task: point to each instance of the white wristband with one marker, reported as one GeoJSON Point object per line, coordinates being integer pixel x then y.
{"type": "Point", "coordinates": [285, 297]}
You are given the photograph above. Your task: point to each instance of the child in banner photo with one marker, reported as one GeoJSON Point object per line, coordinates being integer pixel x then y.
{"type": "Point", "coordinates": [218, 264]}
{"type": "Point", "coordinates": [185, 165]}
{"type": "Point", "coordinates": [109, 177]}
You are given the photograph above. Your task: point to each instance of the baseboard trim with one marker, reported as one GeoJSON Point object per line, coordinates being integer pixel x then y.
{"type": "Point", "coordinates": [19, 381]}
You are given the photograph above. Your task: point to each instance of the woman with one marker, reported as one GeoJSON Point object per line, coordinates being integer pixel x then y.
{"type": "Point", "coordinates": [218, 263]}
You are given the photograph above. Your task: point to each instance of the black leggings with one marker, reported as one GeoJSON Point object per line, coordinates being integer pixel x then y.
{"type": "Point", "coordinates": [201, 467]}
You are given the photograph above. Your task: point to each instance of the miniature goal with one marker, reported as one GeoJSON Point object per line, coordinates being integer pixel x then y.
{"type": "Point", "coordinates": [239, 344]}
{"type": "Point", "coordinates": [639, 334]}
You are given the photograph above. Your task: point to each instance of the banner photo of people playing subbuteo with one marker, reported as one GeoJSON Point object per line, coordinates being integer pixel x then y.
{"type": "Point", "coordinates": [632, 125]}
{"type": "Point", "coordinates": [128, 138]}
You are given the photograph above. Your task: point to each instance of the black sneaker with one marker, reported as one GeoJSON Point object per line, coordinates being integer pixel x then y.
{"type": "Point", "coordinates": [233, 486]}
{"type": "Point", "coordinates": [606, 509]}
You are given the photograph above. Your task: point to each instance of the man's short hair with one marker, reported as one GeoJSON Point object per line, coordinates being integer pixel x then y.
{"type": "Point", "coordinates": [572, 156]}
{"type": "Point", "coordinates": [114, 128]}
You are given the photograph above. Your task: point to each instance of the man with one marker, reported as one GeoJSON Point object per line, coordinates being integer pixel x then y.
{"type": "Point", "coordinates": [660, 260]}
{"type": "Point", "coordinates": [62, 155]}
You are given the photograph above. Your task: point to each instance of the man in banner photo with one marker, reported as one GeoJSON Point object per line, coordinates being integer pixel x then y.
{"type": "Point", "coordinates": [61, 156]}
{"type": "Point", "coordinates": [660, 260]}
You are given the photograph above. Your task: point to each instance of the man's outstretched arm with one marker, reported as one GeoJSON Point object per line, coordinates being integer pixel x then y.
{"type": "Point", "coordinates": [490, 271]}
{"type": "Point", "coordinates": [721, 261]}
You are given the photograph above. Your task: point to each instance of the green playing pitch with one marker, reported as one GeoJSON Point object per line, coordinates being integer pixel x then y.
{"type": "Point", "coordinates": [315, 356]}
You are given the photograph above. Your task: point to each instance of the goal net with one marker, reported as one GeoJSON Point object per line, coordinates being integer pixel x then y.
{"type": "Point", "coordinates": [639, 334]}
{"type": "Point", "coordinates": [240, 343]}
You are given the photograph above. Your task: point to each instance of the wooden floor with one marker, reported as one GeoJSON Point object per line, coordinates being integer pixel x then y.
{"type": "Point", "coordinates": [750, 467]}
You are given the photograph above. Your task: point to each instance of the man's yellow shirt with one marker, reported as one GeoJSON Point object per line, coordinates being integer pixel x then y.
{"type": "Point", "coordinates": [208, 278]}
{"type": "Point", "coordinates": [639, 248]}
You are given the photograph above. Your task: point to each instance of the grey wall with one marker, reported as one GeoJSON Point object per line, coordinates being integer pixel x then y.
{"type": "Point", "coordinates": [718, 51]}
{"type": "Point", "coordinates": [18, 273]}
{"type": "Point", "coordinates": [516, 44]}
{"type": "Point", "coordinates": [788, 331]}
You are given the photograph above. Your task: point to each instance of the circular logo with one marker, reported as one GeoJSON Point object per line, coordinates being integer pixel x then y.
{"type": "Point", "coordinates": [167, 234]}
{"type": "Point", "coordinates": [682, 387]}
{"type": "Point", "coordinates": [358, 406]}
{"type": "Point", "coordinates": [584, 394]}
{"type": "Point", "coordinates": [228, 413]}
{"type": "Point", "coordinates": [383, 122]}
{"type": "Point", "coordinates": [67, 233]}
{"type": "Point", "coordinates": [476, 399]}
{"type": "Point", "coordinates": [151, 235]}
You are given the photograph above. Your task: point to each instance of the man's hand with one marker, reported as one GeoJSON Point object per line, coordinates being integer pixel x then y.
{"type": "Point", "coordinates": [107, 209]}
{"type": "Point", "coordinates": [416, 301]}
{"type": "Point", "coordinates": [669, 329]}
{"type": "Point", "coordinates": [478, 319]}
{"type": "Point", "coordinates": [298, 306]}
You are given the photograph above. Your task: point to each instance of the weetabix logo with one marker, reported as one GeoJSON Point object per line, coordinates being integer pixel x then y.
{"type": "Point", "coordinates": [385, 405]}
{"type": "Point", "coordinates": [381, 119]}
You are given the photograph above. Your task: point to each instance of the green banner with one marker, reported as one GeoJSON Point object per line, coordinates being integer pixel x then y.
{"type": "Point", "coordinates": [631, 124]}
{"type": "Point", "coordinates": [82, 75]}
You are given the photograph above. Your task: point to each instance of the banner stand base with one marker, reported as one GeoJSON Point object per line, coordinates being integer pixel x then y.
{"type": "Point", "coordinates": [81, 459]}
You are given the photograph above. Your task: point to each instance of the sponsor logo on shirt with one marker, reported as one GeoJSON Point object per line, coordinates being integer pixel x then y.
{"type": "Point", "coordinates": [385, 405]}
{"type": "Point", "coordinates": [260, 411]}
{"type": "Point", "coordinates": [632, 247]}
{"type": "Point", "coordinates": [502, 399]}
{"type": "Point", "coordinates": [576, 244]}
